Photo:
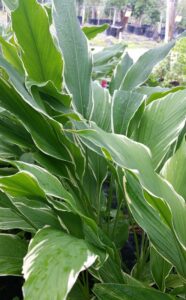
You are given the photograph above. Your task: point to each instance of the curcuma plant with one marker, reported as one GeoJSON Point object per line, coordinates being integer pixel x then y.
{"type": "Point", "coordinates": [83, 169]}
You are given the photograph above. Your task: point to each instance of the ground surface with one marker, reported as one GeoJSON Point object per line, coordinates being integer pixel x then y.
{"type": "Point", "coordinates": [136, 45]}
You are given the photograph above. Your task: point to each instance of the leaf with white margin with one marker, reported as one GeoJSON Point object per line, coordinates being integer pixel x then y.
{"type": "Point", "coordinates": [175, 172]}
{"type": "Point", "coordinates": [53, 263]}
{"type": "Point", "coordinates": [161, 124]}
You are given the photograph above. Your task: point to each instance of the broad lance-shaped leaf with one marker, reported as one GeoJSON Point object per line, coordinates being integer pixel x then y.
{"type": "Point", "coordinates": [8, 151]}
{"type": "Point", "coordinates": [47, 182]}
{"type": "Point", "coordinates": [11, 4]}
{"type": "Point", "coordinates": [74, 47]}
{"type": "Point", "coordinates": [175, 172]}
{"type": "Point", "coordinates": [92, 31]}
{"type": "Point", "coordinates": [107, 54]}
{"type": "Point", "coordinates": [40, 56]}
{"type": "Point", "coordinates": [10, 220]}
{"type": "Point", "coordinates": [120, 73]}
{"type": "Point", "coordinates": [18, 81]}
{"type": "Point", "coordinates": [13, 131]}
{"type": "Point", "coordinates": [21, 184]}
{"type": "Point", "coordinates": [141, 70]}
{"type": "Point", "coordinates": [136, 157]}
{"type": "Point", "coordinates": [157, 92]}
{"type": "Point", "coordinates": [101, 108]}
{"type": "Point", "coordinates": [28, 215]}
{"type": "Point", "coordinates": [160, 268]}
{"type": "Point", "coordinates": [48, 185]}
{"type": "Point", "coordinates": [10, 53]}
{"type": "Point", "coordinates": [47, 133]}
{"type": "Point", "coordinates": [127, 292]}
{"type": "Point", "coordinates": [161, 123]}
{"type": "Point", "coordinates": [153, 215]}
{"type": "Point", "coordinates": [124, 106]}
{"type": "Point", "coordinates": [103, 70]}
{"type": "Point", "coordinates": [12, 251]}
{"type": "Point", "coordinates": [104, 61]}
{"type": "Point", "coordinates": [53, 263]}
{"type": "Point", "coordinates": [25, 214]}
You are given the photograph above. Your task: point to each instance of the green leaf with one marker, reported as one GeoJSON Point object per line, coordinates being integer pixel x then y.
{"type": "Point", "coordinates": [49, 184]}
{"type": "Point", "coordinates": [175, 172]}
{"type": "Point", "coordinates": [74, 47]}
{"type": "Point", "coordinates": [40, 57]}
{"type": "Point", "coordinates": [120, 72]}
{"type": "Point", "coordinates": [10, 220]}
{"type": "Point", "coordinates": [18, 81]}
{"type": "Point", "coordinates": [127, 292]}
{"type": "Point", "coordinates": [161, 124]}
{"type": "Point", "coordinates": [104, 56]}
{"type": "Point", "coordinates": [14, 132]}
{"type": "Point", "coordinates": [153, 216]}
{"type": "Point", "coordinates": [92, 31]}
{"type": "Point", "coordinates": [103, 70]}
{"type": "Point", "coordinates": [12, 251]}
{"type": "Point", "coordinates": [37, 214]}
{"type": "Point", "coordinates": [21, 184]}
{"type": "Point", "coordinates": [101, 109]}
{"type": "Point", "coordinates": [47, 134]}
{"type": "Point", "coordinates": [11, 4]}
{"type": "Point", "coordinates": [160, 268]}
{"type": "Point", "coordinates": [136, 157]}
{"type": "Point", "coordinates": [141, 70]}
{"type": "Point", "coordinates": [124, 106]}
{"type": "Point", "coordinates": [8, 150]}
{"type": "Point", "coordinates": [11, 55]}
{"type": "Point", "coordinates": [53, 263]}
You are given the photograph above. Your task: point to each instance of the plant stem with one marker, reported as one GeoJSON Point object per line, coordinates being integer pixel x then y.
{"type": "Point", "coordinates": [116, 219]}
{"type": "Point", "coordinates": [109, 203]}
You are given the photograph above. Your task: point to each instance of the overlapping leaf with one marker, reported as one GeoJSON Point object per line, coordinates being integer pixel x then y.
{"type": "Point", "coordinates": [12, 251]}
{"type": "Point", "coordinates": [124, 106]}
{"type": "Point", "coordinates": [174, 170]}
{"type": "Point", "coordinates": [39, 54]}
{"type": "Point", "coordinates": [161, 124]}
{"type": "Point", "coordinates": [135, 157]}
{"type": "Point", "coordinates": [54, 260]}
{"type": "Point", "coordinates": [74, 47]}
{"type": "Point", "coordinates": [125, 292]}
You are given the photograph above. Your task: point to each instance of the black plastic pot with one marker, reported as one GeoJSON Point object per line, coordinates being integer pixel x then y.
{"type": "Point", "coordinates": [180, 30]}
{"type": "Point", "coordinates": [130, 28]}
{"type": "Point", "coordinates": [108, 31]}
{"type": "Point", "coordinates": [93, 21]}
{"type": "Point", "coordinates": [149, 33]}
{"type": "Point", "coordinates": [162, 36]}
{"type": "Point", "coordinates": [80, 19]}
{"type": "Point", "coordinates": [105, 21]}
{"type": "Point", "coordinates": [138, 30]}
{"type": "Point", "coordinates": [114, 31]}
{"type": "Point", "coordinates": [118, 23]}
{"type": "Point", "coordinates": [145, 27]}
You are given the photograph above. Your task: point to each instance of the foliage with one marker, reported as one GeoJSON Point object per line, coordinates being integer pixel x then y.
{"type": "Point", "coordinates": [83, 167]}
{"type": "Point", "coordinates": [172, 70]}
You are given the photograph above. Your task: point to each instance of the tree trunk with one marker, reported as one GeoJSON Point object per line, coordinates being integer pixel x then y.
{"type": "Point", "coordinates": [170, 20]}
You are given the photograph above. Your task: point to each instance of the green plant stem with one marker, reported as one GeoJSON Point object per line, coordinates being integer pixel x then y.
{"type": "Point", "coordinates": [136, 243]}
{"type": "Point", "coordinates": [116, 219]}
{"type": "Point", "coordinates": [109, 203]}
{"type": "Point", "coordinates": [86, 284]}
